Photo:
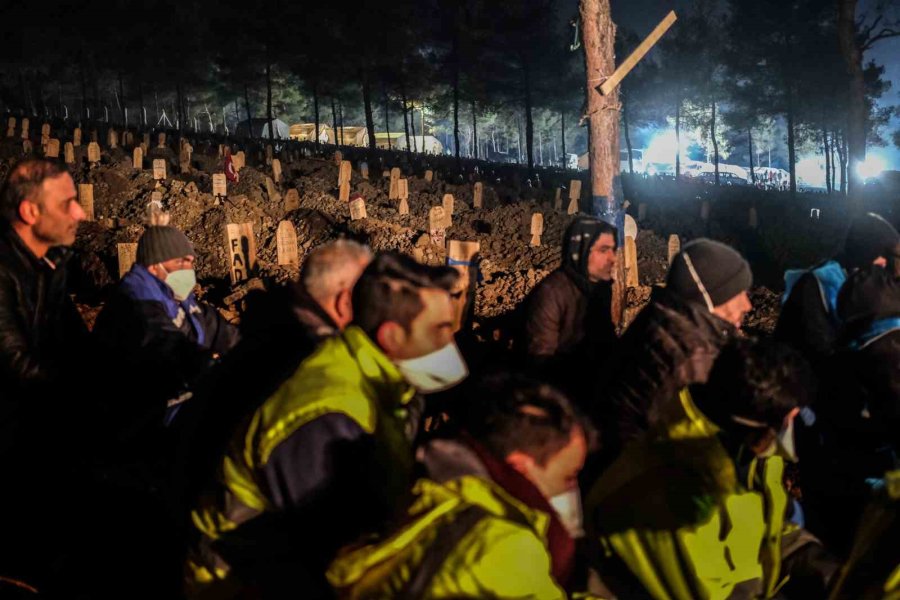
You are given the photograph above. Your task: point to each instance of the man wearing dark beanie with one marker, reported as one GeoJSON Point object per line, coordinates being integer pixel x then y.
{"type": "Point", "coordinates": [675, 339]}
{"type": "Point", "coordinates": [156, 333]}
{"type": "Point", "coordinates": [809, 320]}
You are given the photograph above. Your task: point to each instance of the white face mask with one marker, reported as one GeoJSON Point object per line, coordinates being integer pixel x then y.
{"type": "Point", "coordinates": [783, 444]}
{"type": "Point", "coordinates": [435, 372]}
{"type": "Point", "coordinates": [182, 283]}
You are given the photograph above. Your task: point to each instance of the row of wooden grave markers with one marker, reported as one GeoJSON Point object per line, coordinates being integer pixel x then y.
{"type": "Point", "coordinates": [286, 242]}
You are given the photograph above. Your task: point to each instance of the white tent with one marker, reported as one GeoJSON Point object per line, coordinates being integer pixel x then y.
{"type": "Point", "coordinates": [420, 143]}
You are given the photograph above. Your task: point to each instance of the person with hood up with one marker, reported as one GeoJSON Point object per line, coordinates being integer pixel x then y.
{"type": "Point", "coordinates": [809, 319]}
{"type": "Point", "coordinates": [674, 341]}
{"type": "Point", "coordinates": [568, 330]}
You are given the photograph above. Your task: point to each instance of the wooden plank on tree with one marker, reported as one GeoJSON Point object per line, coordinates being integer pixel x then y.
{"type": "Point", "coordinates": [127, 255]}
{"type": "Point", "coordinates": [286, 240]}
{"type": "Point", "coordinates": [241, 250]}
{"type": "Point", "coordinates": [86, 200]}
{"type": "Point", "coordinates": [635, 57]}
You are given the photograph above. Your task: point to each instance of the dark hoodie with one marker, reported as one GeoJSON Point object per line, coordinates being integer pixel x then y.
{"type": "Point", "coordinates": [568, 323]}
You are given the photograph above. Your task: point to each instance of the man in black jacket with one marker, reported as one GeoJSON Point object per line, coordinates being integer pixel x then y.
{"type": "Point", "coordinates": [41, 338]}
{"type": "Point", "coordinates": [675, 340]}
{"type": "Point", "coordinates": [568, 324]}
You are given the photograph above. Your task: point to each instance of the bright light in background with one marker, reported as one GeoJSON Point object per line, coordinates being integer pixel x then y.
{"type": "Point", "coordinates": [811, 171]}
{"type": "Point", "coordinates": [663, 146]}
{"type": "Point", "coordinates": [873, 166]}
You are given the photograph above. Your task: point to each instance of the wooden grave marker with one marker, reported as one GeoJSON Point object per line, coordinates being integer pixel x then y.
{"type": "Point", "coordinates": [161, 140]}
{"type": "Point", "coordinates": [45, 134]}
{"type": "Point", "coordinates": [338, 157]}
{"type": "Point", "coordinates": [112, 138]}
{"type": "Point", "coordinates": [386, 174]}
{"type": "Point", "coordinates": [127, 255]}
{"type": "Point", "coordinates": [704, 210]}
{"type": "Point", "coordinates": [52, 150]}
{"type": "Point", "coordinates": [574, 196]}
{"type": "Point", "coordinates": [557, 199]}
{"type": "Point", "coordinates": [394, 192]}
{"type": "Point", "coordinates": [631, 269]}
{"type": "Point", "coordinates": [447, 203]}
{"type": "Point", "coordinates": [478, 197]}
{"type": "Point", "coordinates": [403, 189]}
{"type": "Point", "coordinates": [69, 151]}
{"type": "Point", "coordinates": [137, 160]}
{"type": "Point", "coordinates": [270, 154]}
{"type": "Point", "coordinates": [159, 168]}
{"type": "Point", "coordinates": [404, 207]}
{"type": "Point", "coordinates": [25, 128]}
{"type": "Point", "coordinates": [94, 137]}
{"type": "Point", "coordinates": [674, 247]}
{"type": "Point", "coordinates": [27, 146]}
{"type": "Point", "coordinates": [291, 200]}
{"type": "Point", "coordinates": [537, 228]}
{"type": "Point", "coordinates": [94, 152]}
{"type": "Point", "coordinates": [344, 172]}
{"type": "Point", "coordinates": [286, 241]}
{"type": "Point", "coordinates": [76, 137]}
{"type": "Point", "coordinates": [219, 185]}
{"type": "Point", "coordinates": [241, 250]}
{"type": "Point", "coordinates": [630, 227]}
{"type": "Point", "coordinates": [272, 191]}
{"type": "Point", "coordinates": [429, 175]}
{"type": "Point", "coordinates": [358, 209]}
{"type": "Point", "coordinates": [364, 169]}
{"type": "Point", "coordinates": [344, 192]}
{"type": "Point", "coordinates": [460, 256]}
{"type": "Point", "coordinates": [11, 127]}
{"type": "Point", "coordinates": [276, 170]}
{"type": "Point", "coordinates": [146, 140]}
{"type": "Point", "coordinates": [128, 139]}
{"type": "Point", "coordinates": [86, 200]}
{"type": "Point", "coordinates": [436, 225]}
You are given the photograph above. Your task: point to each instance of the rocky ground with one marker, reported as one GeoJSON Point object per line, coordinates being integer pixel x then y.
{"type": "Point", "coordinates": [510, 266]}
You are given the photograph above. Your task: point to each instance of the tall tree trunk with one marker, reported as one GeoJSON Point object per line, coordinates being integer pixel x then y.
{"type": "Point", "coordinates": [562, 119]}
{"type": "Point", "coordinates": [598, 34]}
{"type": "Point", "coordinates": [341, 120]}
{"type": "Point", "coordinates": [715, 142]}
{"type": "Point", "coordinates": [624, 98]}
{"type": "Point", "coordinates": [269, 118]}
{"type": "Point", "coordinates": [792, 149]}
{"type": "Point", "coordinates": [334, 121]}
{"type": "Point", "coordinates": [142, 118]}
{"type": "Point", "coordinates": [59, 100]}
{"type": "Point", "coordinates": [455, 100]}
{"type": "Point", "coordinates": [247, 107]}
{"type": "Point", "coordinates": [387, 121]}
{"type": "Point", "coordinates": [750, 150]}
{"type": "Point", "coordinates": [406, 121]}
{"type": "Point", "coordinates": [845, 160]}
{"type": "Point", "coordinates": [412, 128]}
{"type": "Point", "coordinates": [122, 101]}
{"type": "Point", "coordinates": [519, 138]}
{"type": "Point", "coordinates": [315, 91]}
{"type": "Point", "coordinates": [84, 100]}
{"type": "Point", "coordinates": [678, 138]}
{"type": "Point", "coordinates": [529, 121]}
{"type": "Point", "coordinates": [858, 117]}
{"type": "Point", "coordinates": [179, 109]}
{"type": "Point", "coordinates": [833, 145]}
{"type": "Point", "coordinates": [827, 159]}
{"type": "Point", "coordinates": [367, 103]}
{"type": "Point", "coordinates": [475, 130]}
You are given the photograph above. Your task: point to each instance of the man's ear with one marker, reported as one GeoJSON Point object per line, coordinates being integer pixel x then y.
{"type": "Point", "coordinates": [28, 212]}
{"type": "Point", "coordinates": [343, 307]}
{"type": "Point", "coordinates": [521, 462]}
{"type": "Point", "coordinates": [391, 337]}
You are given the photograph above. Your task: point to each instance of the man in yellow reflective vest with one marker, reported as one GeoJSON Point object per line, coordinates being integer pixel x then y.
{"type": "Point", "coordinates": [695, 507]}
{"type": "Point", "coordinates": [328, 457]}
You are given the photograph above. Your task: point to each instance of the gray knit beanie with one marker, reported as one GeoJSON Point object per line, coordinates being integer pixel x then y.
{"type": "Point", "coordinates": [708, 272]}
{"type": "Point", "coordinates": [161, 243]}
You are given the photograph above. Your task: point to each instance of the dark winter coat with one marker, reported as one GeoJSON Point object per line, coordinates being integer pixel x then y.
{"type": "Point", "coordinates": [156, 346]}
{"type": "Point", "coordinates": [670, 345]}
{"type": "Point", "coordinates": [42, 336]}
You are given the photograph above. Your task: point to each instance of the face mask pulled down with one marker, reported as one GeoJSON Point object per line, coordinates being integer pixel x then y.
{"type": "Point", "coordinates": [435, 372]}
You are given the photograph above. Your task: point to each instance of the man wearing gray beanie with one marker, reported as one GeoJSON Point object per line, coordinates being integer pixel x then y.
{"type": "Point", "coordinates": [675, 340]}
{"type": "Point", "coordinates": [157, 335]}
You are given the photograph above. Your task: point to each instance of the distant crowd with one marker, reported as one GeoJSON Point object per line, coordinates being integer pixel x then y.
{"type": "Point", "coordinates": [354, 438]}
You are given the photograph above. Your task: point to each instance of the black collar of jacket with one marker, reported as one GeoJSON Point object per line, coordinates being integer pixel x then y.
{"type": "Point", "coordinates": [697, 313]}
{"type": "Point", "coordinates": [16, 249]}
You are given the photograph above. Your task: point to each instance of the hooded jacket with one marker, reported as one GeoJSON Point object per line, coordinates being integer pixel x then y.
{"type": "Point", "coordinates": [670, 345]}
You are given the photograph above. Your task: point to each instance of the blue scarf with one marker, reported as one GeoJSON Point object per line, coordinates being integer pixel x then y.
{"type": "Point", "coordinates": [830, 277]}
{"type": "Point", "coordinates": [876, 330]}
{"type": "Point", "coordinates": [140, 285]}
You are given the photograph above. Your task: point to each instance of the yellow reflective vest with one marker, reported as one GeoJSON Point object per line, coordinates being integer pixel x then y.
{"type": "Point", "coordinates": [486, 544]}
{"type": "Point", "coordinates": [673, 511]}
{"type": "Point", "coordinates": [347, 374]}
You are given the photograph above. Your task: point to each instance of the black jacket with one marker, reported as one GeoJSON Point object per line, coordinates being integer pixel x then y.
{"type": "Point", "coordinates": [671, 344]}
{"type": "Point", "coordinates": [42, 338]}
{"type": "Point", "coordinates": [805, 324]}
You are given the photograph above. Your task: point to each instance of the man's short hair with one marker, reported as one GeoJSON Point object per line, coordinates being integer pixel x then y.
{"type": "Point", "coordinates": [389, 290]}
{"type": "Point", "coordinates": [758, 380]}
{"type": "Point", "coordinates": [24, 181]}
{"type": "Point", "coordinates": [509, 413]}
{"type": "Point", "coordinates": [332, 267]}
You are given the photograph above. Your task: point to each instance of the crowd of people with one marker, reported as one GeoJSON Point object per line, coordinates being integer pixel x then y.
{"type": "Point", "coordinates": [353, 440]}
